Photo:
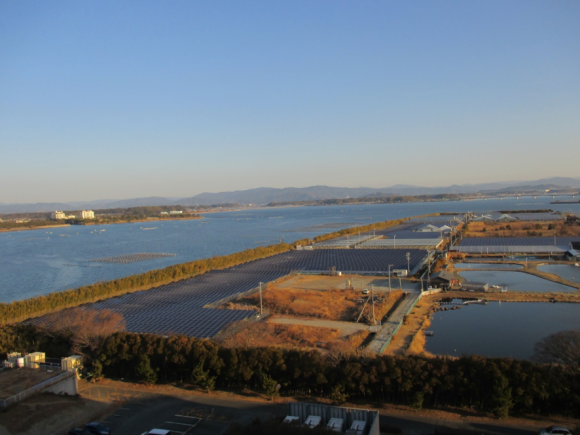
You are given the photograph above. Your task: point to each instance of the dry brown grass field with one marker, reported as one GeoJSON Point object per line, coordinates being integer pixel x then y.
{"type": "Point", "coordinates": [330, 304]}
{"type": "Point", "coordinates": [258, 334]}
{"type": "Point", "coordinates": [520, 229]}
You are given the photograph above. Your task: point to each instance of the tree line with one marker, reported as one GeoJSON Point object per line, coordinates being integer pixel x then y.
{"type": "Point", "coordinates": [500, 386]}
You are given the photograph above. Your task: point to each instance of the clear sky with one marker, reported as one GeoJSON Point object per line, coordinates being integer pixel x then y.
{"type": "Point", "coordinates": [108, 99]}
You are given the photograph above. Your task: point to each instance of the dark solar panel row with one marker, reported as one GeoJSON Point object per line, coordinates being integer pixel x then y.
{"type": "Point", "coordinates": [517, 241]}
{"type": "Point", "coordinates": [178, 307]}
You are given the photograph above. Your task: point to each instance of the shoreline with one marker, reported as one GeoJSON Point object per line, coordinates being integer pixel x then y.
{"type": "Point", "coordinates": [8, 230]}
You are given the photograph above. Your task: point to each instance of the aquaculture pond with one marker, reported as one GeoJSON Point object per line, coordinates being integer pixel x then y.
{"type": "Point", "coordinates": [516, 281]}
{"type": "Point", "coordinates": [487, 266]}
{"type": "Point", "coordinates": [566, 271]}
{"type": "Point", "coordinates": [499, 329]}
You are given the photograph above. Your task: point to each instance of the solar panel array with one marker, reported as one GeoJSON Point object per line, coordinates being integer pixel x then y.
{"type": "Point", "coordinates": [511, 249]}
{"type": "Point", "coordinates": [446, 219]}
{"type": "Point", "coordinates": [400, 243]}
{"type": "Point", "coordinates": [517, 241]}
{"type": "Point", "coordinates": [537, 216]}
{"type": "Point", "coordinates": [344, 242]}
{"type": "Point", "coordinates": [177, 308]}
{"type": "Point", "coordinates": [507, 245]}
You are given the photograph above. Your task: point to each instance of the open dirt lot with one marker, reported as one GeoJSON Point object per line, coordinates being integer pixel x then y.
{"type": "Point", "coordinates": [319, 297]}
{"type": "Point", "coordinates": [291, 335]}
{"type": "Point", "coordinates": [14, 381]}
{"type": "Point", "coordinates": [50, 414]}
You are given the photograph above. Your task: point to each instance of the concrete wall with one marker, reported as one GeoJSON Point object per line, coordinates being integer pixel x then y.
{"type": "Point", "coordinates": [68, 385]}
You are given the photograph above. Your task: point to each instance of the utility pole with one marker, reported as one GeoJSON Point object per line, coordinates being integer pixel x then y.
{"type": "Point", "coordinates": [261, 300]}
{"type": "Point", "coordinates": [373, 302]}
{"type": "Point", "coordinates": [390, 265]}
{"type": "Point", "coordinates": [408, 263]}
{"type": "Point", "coordinates": [400, 285]}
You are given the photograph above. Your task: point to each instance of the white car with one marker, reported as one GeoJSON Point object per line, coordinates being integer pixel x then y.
{"type": "Point", "coordinates": [556, 430]}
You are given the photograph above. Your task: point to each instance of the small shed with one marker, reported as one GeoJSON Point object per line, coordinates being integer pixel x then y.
{"type": "Point", "coordinates": [475, 286]}
{"type": "Point", "coordinates": [443, 279]}
{"type": "Point", "coordinates": [427, 229]}
{"type": "Point", "coordinates": [572, 255]}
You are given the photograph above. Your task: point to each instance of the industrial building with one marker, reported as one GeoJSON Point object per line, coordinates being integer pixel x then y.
{"type": "Point", "coordinates": [350, 421]}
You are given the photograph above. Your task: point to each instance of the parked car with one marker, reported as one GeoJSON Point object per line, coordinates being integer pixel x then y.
{"type": "Point", "coordinates": [556, 430]}
{"type": "Point", "coordinates": [157, 432]}
{"type": "Point", "coordinates": [79, 431]}
{"type": "Point", "coordinates": [366, 291]}
{"type": "Point", "coordinates": [97, 428]}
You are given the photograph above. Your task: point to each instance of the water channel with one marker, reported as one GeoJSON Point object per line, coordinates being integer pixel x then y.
{"type": "Point", "coordinates": [566, 271]}
{"type": "Point", "coordinates": [486, 266]}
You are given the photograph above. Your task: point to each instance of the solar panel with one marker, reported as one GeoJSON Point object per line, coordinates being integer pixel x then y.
{"type": "Point", "coordinates": [178, 308]}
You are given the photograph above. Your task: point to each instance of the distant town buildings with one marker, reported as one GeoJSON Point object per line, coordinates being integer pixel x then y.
{"type": "Point", "coordinates": [87, 214]}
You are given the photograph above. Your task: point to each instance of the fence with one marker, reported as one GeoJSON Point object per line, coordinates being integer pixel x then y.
{"type": "Point", "coordinates": [4, 403]}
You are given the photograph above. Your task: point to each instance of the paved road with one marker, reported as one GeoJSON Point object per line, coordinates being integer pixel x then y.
{"type": "Point", "coordinates": [189, 414]}
{"type": "Point", "coordinates": [346, 328]}
{"type": "Point", "coordinates": [390, 327]}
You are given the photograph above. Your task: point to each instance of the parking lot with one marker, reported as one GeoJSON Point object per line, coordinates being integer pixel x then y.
{"type": "Point", "coordinates": [180, 412]}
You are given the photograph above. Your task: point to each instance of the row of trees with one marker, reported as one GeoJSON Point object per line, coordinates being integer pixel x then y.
{"type": "Point", "coordinates": [499, 386]}
{"type": "Point", "coordinates": [21, 310]}
{"type": "Point", "coordinates": [496, 385]}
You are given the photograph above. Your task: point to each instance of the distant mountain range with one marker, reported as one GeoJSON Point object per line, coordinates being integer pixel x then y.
{"type": "Point", "coordinates": [265, 195]}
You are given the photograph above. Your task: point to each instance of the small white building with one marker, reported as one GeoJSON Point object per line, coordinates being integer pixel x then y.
{"type": "Point", "coordinates": [176, 212]}
{"type": "Point", "coordinates": [58, 215]}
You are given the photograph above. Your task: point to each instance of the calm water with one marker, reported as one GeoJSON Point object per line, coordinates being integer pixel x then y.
{"type": "Point", "coordinates": [43, 261]}
{"type": "Point", "coordinates": [509, 329]}
{"type": "Point", "coordinates": [516, 281]}
{"type": "Point", "coordinates": [487, 266]}
{"type": "Point", "coordinates": [566, 271]}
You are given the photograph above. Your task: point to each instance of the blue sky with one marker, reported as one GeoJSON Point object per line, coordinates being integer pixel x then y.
{"type": "Point", "coordinates": [107, 99]}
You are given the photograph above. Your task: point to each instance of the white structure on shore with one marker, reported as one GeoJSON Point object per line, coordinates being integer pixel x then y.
{"type": "Point", "coordinates": [87, 214]}
{"type": "Point", "coordinates": [58, 215]}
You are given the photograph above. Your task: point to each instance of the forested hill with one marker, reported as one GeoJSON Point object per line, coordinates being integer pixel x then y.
{"type": "Point", "coordinates": [266, 195]}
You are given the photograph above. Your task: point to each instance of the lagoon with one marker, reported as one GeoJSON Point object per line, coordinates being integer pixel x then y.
{"type": "Point", "coordinates": [42, 261]}
{"type": "Point", "coordinates": [516, 281]}
{"type": "Point", "coordinates": [506, 329]}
